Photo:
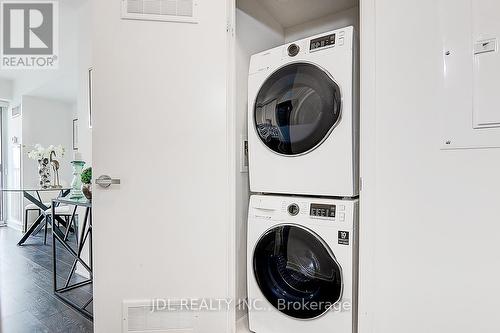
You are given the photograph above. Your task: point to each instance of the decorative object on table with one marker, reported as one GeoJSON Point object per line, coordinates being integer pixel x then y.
{"type": "Point", "coordinates": [87, 183]}
{"type": "Point", "coordinates": [76, 183]}
{"type": "Point", "coordinates": [75, 134]}
{"type": "Point", "coordinates": [44, 172]}
{"type": "Point", "coordinates": [55, 166]}
{"type": "Point", "coordinates": [44, 158]}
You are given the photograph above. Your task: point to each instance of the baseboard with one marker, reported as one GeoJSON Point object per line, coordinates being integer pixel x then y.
{"type": "Point", "coordinates": [16, 225]}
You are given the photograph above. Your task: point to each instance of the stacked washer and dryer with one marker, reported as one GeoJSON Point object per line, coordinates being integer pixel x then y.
{"type": "Point", "coordinates": [303, 161]}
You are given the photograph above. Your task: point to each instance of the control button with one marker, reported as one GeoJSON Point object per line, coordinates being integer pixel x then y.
{"type": "Point", "coordinates": [341, 41]}
{"type": "Point", "coordinates": [342, 217]}
{"type": "Point", "coordinates": [293, 50]}
{"type": "Point", "coordinates": [293, 209]}
{"type": "Point", "coordinates": [341, 208]}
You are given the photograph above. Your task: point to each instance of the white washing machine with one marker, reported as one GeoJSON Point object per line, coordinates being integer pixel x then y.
{"type": "Point", "coordinates": [302, 265]}
{"type": "Point", "coordinates": [303, 117]}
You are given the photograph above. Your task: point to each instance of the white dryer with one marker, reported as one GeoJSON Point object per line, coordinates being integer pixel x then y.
{"type": "Point", "coordinates": [302, 265]}
{"type": "Point", "coordinates": [303, 117]}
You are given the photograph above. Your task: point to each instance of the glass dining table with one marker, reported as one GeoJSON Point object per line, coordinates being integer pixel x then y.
{"type": "Point", "coordinates": [32, 194]}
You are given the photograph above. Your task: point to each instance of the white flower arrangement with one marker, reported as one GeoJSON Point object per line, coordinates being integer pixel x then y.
{"type": "Point", "coordinates": [40, 152]}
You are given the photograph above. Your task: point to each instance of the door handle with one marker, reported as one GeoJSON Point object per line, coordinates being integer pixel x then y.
{"type": "Point", "coordinates": [106, 181]}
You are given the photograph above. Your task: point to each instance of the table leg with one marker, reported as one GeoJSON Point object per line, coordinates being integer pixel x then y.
{"type": "Point", "coordinates": [35, 201]}
{"type": "Point", "coordinates": [54, 261]}
{"type": "Point", "coordinates": [32, 229]}
{"type": "Point", "coordinates": [68, 227]}
{"type": "Point", "coordinates": [40, 226]}
{"type": "Point", "coordinates": [80, 245]}
{"type": "Point", "coordinates": [36, 225]}
{"type": "Point", "coordinates": [60, 238]}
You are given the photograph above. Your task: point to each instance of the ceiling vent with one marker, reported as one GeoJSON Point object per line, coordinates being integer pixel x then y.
{"type": "Point", "coordinates": [145, 317]}
{"type": "Point", "coordinates": [160, 10]}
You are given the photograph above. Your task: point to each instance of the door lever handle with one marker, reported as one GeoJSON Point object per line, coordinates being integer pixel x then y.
{"type": "Point", "coordinates": [106, 181]}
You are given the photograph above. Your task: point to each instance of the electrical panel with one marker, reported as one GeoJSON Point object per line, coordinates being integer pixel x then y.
{"type": "Point", "coordinates": [470, 114]}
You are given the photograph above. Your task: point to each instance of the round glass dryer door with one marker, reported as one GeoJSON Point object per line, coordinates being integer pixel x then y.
{"type": "Point", "coordinates": [297, 272]}
{"type": "Point", "coordinates": [297, 108]}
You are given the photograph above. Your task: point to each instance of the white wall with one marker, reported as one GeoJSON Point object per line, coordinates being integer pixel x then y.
{"type": "Point", "coordinates": [255, 32]}
{"type": "Point", "coordinates": [327, 23]}
{"type": "Point", "coordinates": [47, 122]}
{"type": "Point", "coordinates": [5, 89]}
{"type": "Point", "coordinates": [429, 244]}
{"type": "Point", "coordinates": [84, 63]}
{"type": "Point", "coordinates": [257, 16]}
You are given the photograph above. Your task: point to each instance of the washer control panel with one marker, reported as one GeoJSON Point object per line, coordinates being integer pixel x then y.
{"type": "Point", "coordinates": [326, 211]}
{"type": "Point", "coordinates": [321, 210]}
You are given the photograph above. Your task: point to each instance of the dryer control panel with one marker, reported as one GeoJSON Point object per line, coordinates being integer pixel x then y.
{"type": "Point", "coordinates": [322, 42]}
{"type": "Point", "coordinates": [327, 41]}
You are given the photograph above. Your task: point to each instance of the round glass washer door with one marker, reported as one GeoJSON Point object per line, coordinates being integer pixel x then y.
{"type": "Point", "coordinates": [297, 108]}
{"type": "Point", "coordinates": [297, 272]}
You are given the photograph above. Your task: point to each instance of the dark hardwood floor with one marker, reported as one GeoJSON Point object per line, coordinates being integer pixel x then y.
{"type": "Point", "coordinates": [27, 302]}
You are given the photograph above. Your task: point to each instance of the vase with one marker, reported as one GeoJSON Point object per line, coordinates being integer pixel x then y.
{"type": "Point", "coordinates": [76, 183]}
{"type": "Point", "coordinates": [87, 191]}
{"type": "Point", "coordinates": [44, 173]}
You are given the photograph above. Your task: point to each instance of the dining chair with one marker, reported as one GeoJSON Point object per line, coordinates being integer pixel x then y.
{"type": "Point", "coordinates": [31, 208]}
{"type": "Point", "coordinates": [46, 198]}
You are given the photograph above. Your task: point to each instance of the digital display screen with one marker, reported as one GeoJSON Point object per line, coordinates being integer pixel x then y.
{"type": "Point", "coordinates": [319, 210]}
{"type": "Point", "coordinates": [320, 42]}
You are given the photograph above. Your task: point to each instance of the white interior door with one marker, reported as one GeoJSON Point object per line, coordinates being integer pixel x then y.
{"type": "Point", "coordinates": [160, 125]}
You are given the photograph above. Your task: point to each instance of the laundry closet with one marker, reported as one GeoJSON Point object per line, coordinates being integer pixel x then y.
{"type": "Point", "coordinates": [262, 25]}
{"type": "Point", "coordinates": [179, 86]}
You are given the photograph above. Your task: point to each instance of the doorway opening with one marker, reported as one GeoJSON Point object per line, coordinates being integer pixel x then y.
{"type": "Point", "coordinates": [46, 280]}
